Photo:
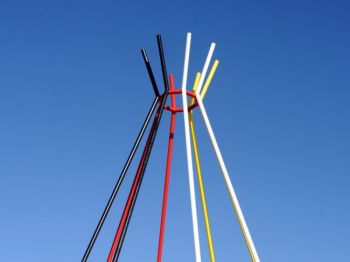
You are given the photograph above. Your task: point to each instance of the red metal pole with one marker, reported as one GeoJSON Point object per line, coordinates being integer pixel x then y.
{"type": "Point", "coordinates": [119, 237]}
{"type": "Point", "coordinates": [132, 192]}
{"type": "Point", "coordinates": [167, 172]}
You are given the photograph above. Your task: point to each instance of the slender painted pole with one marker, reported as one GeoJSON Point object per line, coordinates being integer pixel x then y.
{"type": "Point", "coordinates": [206, 66]}
{"type": "Point", "coordinates": [163, 64]}
{"type": "Point", "coordinates": [210, 77]}
{"type": "Point", "coordinates": [120, 180]}
{"type": "Point", "coordinates": [150, 72]}
{"type": "Point", "coordinates": [141, 171]}
{"type": "Point", "coordinates": [163, 101]}
{"type": "Point", "coordinates": [189, 152]}
{"type": "Point", "coordinates": [167, 173]}
{"type": "Point", "coordinates": [199, 176]}
{"type": "Point", "coordinates": [247, 237]}
{"type": "Point", "coordinates": [132, 193]}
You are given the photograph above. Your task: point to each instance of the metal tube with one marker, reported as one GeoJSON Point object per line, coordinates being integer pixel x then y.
{"type": "Point", "coordinates": [167, 173]}
{"type": "Point", "coordinates": [189, 153]}
{"type": "Point", "coordinates": [132, 193]}
{"type": "Point", "coordinates": [150, 72]}
{"type": "Point", "coordinates": [119, 181]}
{"type": "Point", "coordinates": [242, 223]}
{"type": "Point", "coordinates": [164, 98]}
{"type": "Point", "coordinates": [162, 62]}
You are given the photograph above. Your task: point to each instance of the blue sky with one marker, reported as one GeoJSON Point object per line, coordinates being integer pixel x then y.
{"type": "Point", "coordinates": [74, 92]}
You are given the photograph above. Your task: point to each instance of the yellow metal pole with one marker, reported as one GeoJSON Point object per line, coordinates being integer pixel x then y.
{"type": "Point", "coordinates": [199, 174]}
{"type": "Point", "coordinates": [210, 77]}
{"type": "Point", "coordinates": [195, 85]}
{"type": "Point", "coordinates": [238, 211]}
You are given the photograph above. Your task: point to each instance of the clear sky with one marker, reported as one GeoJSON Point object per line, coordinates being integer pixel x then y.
{"type": "Point", "coordinates": [74, 92]}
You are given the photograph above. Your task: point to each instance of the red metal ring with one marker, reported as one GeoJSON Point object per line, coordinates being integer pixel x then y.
{"type": "Point", "coordinates": [180, 109]}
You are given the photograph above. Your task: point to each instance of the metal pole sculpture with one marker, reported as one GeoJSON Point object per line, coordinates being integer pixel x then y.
{"type": "Point", "coordinates": [200, 88]}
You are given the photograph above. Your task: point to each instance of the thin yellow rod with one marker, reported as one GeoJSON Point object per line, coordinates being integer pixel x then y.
{"type": "Point", "coordinates": [247, 239]}
{"type": "Point", "coordinates": [200, 180]}
{"type": "Point", "coordinates": [210, 77]}
{"type": "Point", "coordinates": [195, 85]}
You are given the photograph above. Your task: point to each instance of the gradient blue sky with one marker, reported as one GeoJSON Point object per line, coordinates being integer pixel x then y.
{"type": "Point", "coordinates": [74, 92]}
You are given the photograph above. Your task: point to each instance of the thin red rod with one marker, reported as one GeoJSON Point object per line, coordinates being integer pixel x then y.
{"type": "Point", "coordinates": [167, 171]}
{"type": "Point", "coordinates": [131, 193]}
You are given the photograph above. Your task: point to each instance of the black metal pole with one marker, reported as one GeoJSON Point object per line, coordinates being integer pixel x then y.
{"type": "Point", "coordinates": [120, 180]}
{"type": "Point", "coordinates": [138, 186]}
{"type": "Point", "coordinates": [149, 149]}
{"type": "Point", "coordinates": [150, 72]}
{"type": "Point", "coordinates": [162, 62]}
{"type": "Point", "coordinates": [131, 155]}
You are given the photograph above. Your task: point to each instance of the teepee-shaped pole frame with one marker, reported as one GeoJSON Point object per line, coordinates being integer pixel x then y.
{"type": "Point", "coordinates": [200, 88]}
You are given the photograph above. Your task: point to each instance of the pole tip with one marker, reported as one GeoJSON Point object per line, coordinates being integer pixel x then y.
{"type": "Point", "coordinates": [144, 54]}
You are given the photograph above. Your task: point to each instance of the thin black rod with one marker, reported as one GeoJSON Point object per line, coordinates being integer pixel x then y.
{"type": "Point", "coordinates": [120, 180]}
{"type": "Point", "coordinates": [164, 98]}
{"type": "Point", "coordinates": [150, 72]}
{"type": "Point", "coordinates": [138, 186]}
{"type": "Point", "coordinates": [132, 189]}
{"type": "Point", "coordinates": [162, 62]}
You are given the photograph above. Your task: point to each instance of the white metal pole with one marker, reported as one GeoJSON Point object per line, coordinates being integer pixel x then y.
{"type": "Point", "coordinates": [206, 66]}
{"type": "Point", "coordinates": [237, 208]}
{"type": "Point", "coordinates": [189, 152]}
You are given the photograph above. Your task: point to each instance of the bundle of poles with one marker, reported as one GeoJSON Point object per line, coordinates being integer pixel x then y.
{"type": "Point", "coordinates": [200, 87]}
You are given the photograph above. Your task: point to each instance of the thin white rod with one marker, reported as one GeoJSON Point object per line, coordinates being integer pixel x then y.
{"type": "Point", "coordinates": [237, 208]}
{"type": "Point", "coordinates": [205, 68]}
{"type": "Point", "coordinates": [189, 152]}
